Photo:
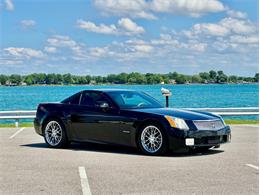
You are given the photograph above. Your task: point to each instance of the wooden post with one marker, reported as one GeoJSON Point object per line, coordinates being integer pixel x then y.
{"type": "Point", "coordinates": [167, 101]}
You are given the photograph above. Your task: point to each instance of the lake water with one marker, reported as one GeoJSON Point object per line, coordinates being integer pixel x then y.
{"type": "Point", "coordinates": [212, 95]}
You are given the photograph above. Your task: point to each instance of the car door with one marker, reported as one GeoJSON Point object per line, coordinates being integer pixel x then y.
{"type": "Point", "coordinates": [90, 122]}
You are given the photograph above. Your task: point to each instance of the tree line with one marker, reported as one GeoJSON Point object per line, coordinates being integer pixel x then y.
{"type": "Point", "coordinates": [124, 78]}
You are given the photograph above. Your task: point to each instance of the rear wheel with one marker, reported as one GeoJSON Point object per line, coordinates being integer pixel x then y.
{"type": "Point", "coordinates": [54, 134]}
{"type": "Point", "coordinates": [151, 140]}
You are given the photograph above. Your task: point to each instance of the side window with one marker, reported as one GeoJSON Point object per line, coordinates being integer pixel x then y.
{"type": "Point", "coordinates": [134, 100]}
{"type": "Point", "coordinates": [93, 99]}
{"type": "Point", "coordinates": [75, 99]}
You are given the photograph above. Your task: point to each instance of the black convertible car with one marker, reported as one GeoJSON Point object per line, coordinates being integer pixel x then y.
{"type": "Point", "coordinates": [129, 118]}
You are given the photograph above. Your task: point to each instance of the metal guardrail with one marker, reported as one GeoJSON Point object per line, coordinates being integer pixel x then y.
{"type": "Point", "coordinates": [17, 115]}
{"type": "Point", "coordinates": [243, 111]}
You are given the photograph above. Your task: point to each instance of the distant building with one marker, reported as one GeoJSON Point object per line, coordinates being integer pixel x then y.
{"type": "Point", "coordinates": [92, 82]}
{"type": "Point", "coordinates": [172, 81]}
{"type": "Point", "coordinates": [9, 83]}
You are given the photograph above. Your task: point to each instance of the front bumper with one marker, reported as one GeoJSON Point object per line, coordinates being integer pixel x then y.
{"type": "Point", "coordinates": [180, 140]}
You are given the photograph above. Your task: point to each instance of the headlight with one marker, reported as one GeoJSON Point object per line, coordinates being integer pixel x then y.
{"type": "Point", "coordinates": [177, 122]}
{"type": "Point", "coordinates": [221, 119]}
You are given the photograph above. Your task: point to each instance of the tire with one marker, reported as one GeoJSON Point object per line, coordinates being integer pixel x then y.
{"type": "Point", "coordinates": [54, 134]}
{"type": "Point", "coordinates": [146, 140]}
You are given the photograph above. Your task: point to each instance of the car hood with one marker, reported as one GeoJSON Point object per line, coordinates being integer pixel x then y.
{"type": "Point", "coordinates": [180, 113]}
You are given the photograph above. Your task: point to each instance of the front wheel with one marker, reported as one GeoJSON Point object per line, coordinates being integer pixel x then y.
{"type": "Point", "coordinates": [54, 134]}
{"type": "Point", "coordinates": [151, 140]}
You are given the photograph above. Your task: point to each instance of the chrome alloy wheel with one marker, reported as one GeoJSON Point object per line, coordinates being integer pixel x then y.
{"type": "Point", "coordinates": [151, 139]}
{"type": "Point", "coordinates": [53, 133]}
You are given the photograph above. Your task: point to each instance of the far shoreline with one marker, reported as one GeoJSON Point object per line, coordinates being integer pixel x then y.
{"type": "Point", "coordinates": [125, 84]}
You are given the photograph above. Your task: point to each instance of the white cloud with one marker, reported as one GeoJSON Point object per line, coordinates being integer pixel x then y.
{"type": "Point", "coordinates": [92, 27]}
{"type": "Point", "coordinates": [129, 26]}
{"type": "Point", "coordinates": [21, 52]}
{"type": "Point", "coordinates": [50, 49]}
{"type": "Point", "coordinates": [165, 39]}
{"type": "Point", "coordinates": [147, 9]}
{"type": "Point", "coordinates": [125, 26]}
{"type": "Point", "coordinates": [253, 39]}
{"type": "Point", "coordinates": [194, 8]}
{"type": "Point", "coordinates": [238, 26]}
{"type": "Point", "coordinates": [200, 47]}
{"type": "Point", "coordinates": [61, 41]}
{"type": "Point", "coordinates": [168, 42]}
{"type": "Point", "coordinates": [224, 27]}
{"type": "Point", "coordinates": [142, 48]}
{"type": "Point", "coordinates": [211, 29]}
{"type": "Point", "coordinates": [28, 23]}
{"type": "Point", "coordinates": [138, 46]}
{"type": "Point", "coordinates": [236, 14]}
{"type": "Point", "coordinates": [98, 51]}
{"type": "Point", "coordinates": [129, 8]}
{"type": "Point", "coordinates": [9, 5]}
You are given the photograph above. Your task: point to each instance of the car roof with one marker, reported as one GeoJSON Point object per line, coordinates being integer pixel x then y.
{"type": "Point", "coordinates": [108, 90]}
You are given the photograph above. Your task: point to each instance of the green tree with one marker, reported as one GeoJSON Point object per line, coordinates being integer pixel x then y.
{"type": "Point", "coordinates": [150, 78]}
{"type": "Point", "coordinates": [205, 76]}
{"type": "Point", "coordinates": [67, 78]}
{"type": "Point", "coordinates": [213, 75]}
{"type": "Point", "coordinates": [88, 79]}
{"type": "Point", "coordinates": [15, 78]}
{"type": "Point", "coordinates": [99, 79]}
{"type": "Point", "coordinates": [59, 79]}
{"type": "Point", "coordinates": [40, 78]}
{"type": "Point", "coordinates": [256, 78]}
{"type": "Point", "coordinates": [173, 75]}
{"type": "Point", "coordinates": [111, 78]}
{"type": "Point", "coordinates": [181, 79]}
{"type": "Point", "coordinates": [136, 78]}
{"type": "Point", "coordinates": [29, 80]}
{"type": "Point", "coordinates": [122, 78]}
{"type": "Point", "coordinates": [196, 79]}
{"type": "Point", "coordinates": [3, 79]}
{"type": "Point", "coordinates": [232, 79]}
{"type": "Point", "coordinates": [82, 80]}
{"type": "Point", "coordinates": [50, 79]}
{"type": "Point", "coordinates": [221, 77]}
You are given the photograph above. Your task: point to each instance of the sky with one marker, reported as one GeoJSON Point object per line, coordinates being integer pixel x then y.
{"type": "Point", "coordinates": [100, 37]}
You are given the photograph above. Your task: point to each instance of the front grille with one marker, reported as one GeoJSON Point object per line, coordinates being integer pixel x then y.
{"type": "Point", "coordinates": [209, 125]}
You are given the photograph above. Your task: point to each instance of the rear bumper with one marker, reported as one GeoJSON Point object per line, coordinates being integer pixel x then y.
{"type": "Point", "coordinates": [182, 140]}
{"type": "Point", "coordinates": [37, 126]}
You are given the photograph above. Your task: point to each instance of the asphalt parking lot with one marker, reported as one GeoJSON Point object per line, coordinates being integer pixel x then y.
{"type": "Point", "coordinates": [28, 166]}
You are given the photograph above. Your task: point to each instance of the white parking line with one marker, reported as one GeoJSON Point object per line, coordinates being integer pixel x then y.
{"type": "Point", "coordinates": [252, 166]}
{"type": "Point", "coordinates": [84, 181]}
{"type": "Point", "coordinates": [16, 133]}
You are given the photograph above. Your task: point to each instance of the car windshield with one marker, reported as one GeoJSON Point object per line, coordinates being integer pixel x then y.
{"type": "Point", "coordinates": [134, 99]}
